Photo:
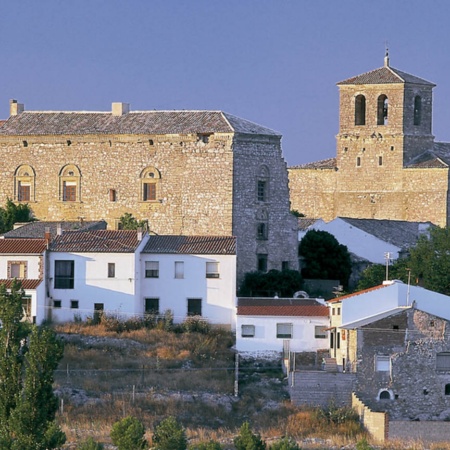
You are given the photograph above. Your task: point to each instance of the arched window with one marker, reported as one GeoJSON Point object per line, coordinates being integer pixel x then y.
{"type": "Point", "coordinates": [150, 184]}
{"type": "Point", "coordinates": [262, 184]}
{"type": "Point", "coordinates": [24, 180]}
{"type": "Point", "coordinates": [417, 110]}
{"type": "Point", "coordinates": [382, 110]}
{"type": "Point", "coordinates": [360, 110]}
{"type": "Point", "coordinates": [70, 184]}
{"type": "Point", "coordinates": [385, 395]}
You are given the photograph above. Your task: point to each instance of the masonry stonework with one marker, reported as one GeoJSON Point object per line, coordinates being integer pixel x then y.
{"type": "Point", "coordinates": [387, 165]}
{"type": "Point", "coordinates": [204, 167]}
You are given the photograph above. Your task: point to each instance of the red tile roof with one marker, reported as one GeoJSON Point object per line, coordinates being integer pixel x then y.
{"type": "Point", "coordinates": [196, 245]}
{"type": "Point", "coordinates": [26, 284]}
{"type": "Point", "coordinates": [354, 294]}
{"type": "Point", "coordinates": [22, 246]}
{"type": "Point", "coordinates": [281, 307]}
{"type": "Point", "coordinates": [114, 241]}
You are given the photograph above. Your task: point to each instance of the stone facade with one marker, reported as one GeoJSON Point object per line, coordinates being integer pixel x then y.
{"type": "Point", "coordinates": [411, 381]}
{"type": "Point", "coordinates": [185, 172]}
{"type": "Point", "coordinates": [387, 164]}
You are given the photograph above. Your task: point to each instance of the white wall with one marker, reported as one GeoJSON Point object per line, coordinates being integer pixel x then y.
{"type": "Point", "coordinates": [358, 242]}
{"type": "Point", "coordinates": [33, 265]}
{"type": "Point", "coordinates": [218, 294]}
{"type": "Point", "coordinates": [265, 338]}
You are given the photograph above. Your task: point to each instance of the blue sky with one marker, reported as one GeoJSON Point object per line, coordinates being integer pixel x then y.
{"type": "Point", "coordinates": [273, 62]}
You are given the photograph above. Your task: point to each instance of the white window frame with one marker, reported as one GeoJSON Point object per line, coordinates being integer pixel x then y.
{"type": "Point", "coordinates": [320, 332]}
{"type": "Point", "coordinates": [151, 269]}
{"type": "Point", "coordinates": [285, 330]}
{"type": "Point", "coordinates": [179, 270]}
{"type": "Point", "coordinates": [382, 363]}
{"type": "Point", "coordinates": [247, 331]}
{"type": "Point", "coordinates": [212, 269]}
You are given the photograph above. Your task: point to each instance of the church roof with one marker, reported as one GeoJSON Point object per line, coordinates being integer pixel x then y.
{"type": "Point", "coordinates": [385, 75]}
{"type": "Point", "coordinates": [196, 245]}
{"type": "Point", "coordinates": [41, 123]}
{"type": "Point", "coordinates": [329, 163]}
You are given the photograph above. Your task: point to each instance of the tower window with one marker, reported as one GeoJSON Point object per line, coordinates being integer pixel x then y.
{"type": "Point", "coordinates": [358, 161]}
{"type": "Point", "coordinates": [380, 160]}
{"type": "Point", "coordinates": [382, 111]}
{"type": "Point", "coordinates": [360, 110]}
{"type": "Point", "coordinates": [417, 110]}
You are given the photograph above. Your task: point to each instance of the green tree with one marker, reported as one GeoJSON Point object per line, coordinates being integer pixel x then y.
{"type": "Point", "coordinates": [12, 213]}
{"type": "Point", "coordinates": [169, 435]}
{"type": "Point", "coordinates": [375, 274]}
{"type": "Point", "coordinates": [324, 258]}
{"type": "Point", "coordinates": [247, 440]}
{"type": "Point", "coordinates": [129, 222]}
{"type": "Point", "coordinates": [210, 445]}
{"type": "Point", "coordinates": [285, 443]}
{"type": "Point", "coordinates": [128, 434]}
{"type": "Point", "coordinates": [284, 283]}
{"type": "Point", "coordinates": [90, 444]}
{"type": "Point", "coordinates": [30, 354]}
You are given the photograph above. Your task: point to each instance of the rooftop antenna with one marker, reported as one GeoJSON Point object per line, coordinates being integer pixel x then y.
{"type": "Point", "coordinates": [387, 257]}
{"type": "Point", "coordinates": [386, 54]}
{"type": "Point", "coordinates": [409, 284]}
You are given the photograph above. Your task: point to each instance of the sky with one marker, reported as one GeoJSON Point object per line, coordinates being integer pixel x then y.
{"type": "Point", "coordinates": [273, 62]}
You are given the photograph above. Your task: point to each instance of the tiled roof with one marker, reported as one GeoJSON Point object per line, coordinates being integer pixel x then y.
{"type": "Point", "coordinates": [329, 163]}
{"type": "Point", "coordinates": [281, 307]}
{"type": "Point", "coordinates": [37, 229]}
{"type": "Point", "coordinates": [36, 123]}
{"type": "Point", "coordinates": [385, 75]}
{"type": "Point", "coordinates": [305, 222]}
{"type": "Point", "coordinates": [2, 122]}
{"type": "Point", "coordinates": [434, 163]}
{"type": "Point", "coordinates": [401, 233]}
{"type": "Point", "coordinates": [197, 245]}
{"type": "Point", "coordinates": [22, 246]}
{"type": "Point", "coordinates": [26, 283]}
{"type": "Point", "coordinates": [98, 241]}
{"type": "Point", "coordinates": [354, 294]}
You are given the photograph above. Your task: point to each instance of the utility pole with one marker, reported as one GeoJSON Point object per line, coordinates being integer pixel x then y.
{"type": "Point", "coordinates": [387, 257]}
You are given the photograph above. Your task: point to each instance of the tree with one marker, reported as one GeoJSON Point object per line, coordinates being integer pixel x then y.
{"type": "Point", "coordinates": [129, 222]}
{"type": "Point", "coordinates": [169, 435]}
{"type": "Point", "coordinates": [128, 434]}
{"type": "Point", "coordinates": [285, 443]}
{"type": "Point", "coordinates": [30, 355]}
{"type": "Point", "coordinates": [324, 258]}
{"type": "Point", "coordinates": [210, 445]}
{"type": "Point", "coordinates": [12, 213]}
{"type": "Point", "coordinates": [283, 283]}
{"type": "Point", "coordinates": [247, 440]}
{"type": "Point", "coordinates": [90, 444]}
{"type": "Point", "coordinates": [375, 274]}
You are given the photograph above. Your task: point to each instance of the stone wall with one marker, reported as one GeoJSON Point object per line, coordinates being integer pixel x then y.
{"type": "Point", "coordinates": [376, 423]}
{"type": "Point", "coordinates": [430, 431]}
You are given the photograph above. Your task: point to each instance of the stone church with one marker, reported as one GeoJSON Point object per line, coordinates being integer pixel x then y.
{"type": "Point", "coordinates": [387, 164]}
{"type": "Point", "coordinates": [184, 172]}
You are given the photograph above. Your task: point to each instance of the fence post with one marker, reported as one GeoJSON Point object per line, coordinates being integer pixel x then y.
{"type": "Point", "coordinates": [236, 375]}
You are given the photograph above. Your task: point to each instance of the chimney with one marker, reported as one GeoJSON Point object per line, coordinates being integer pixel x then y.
{"type": "Point", "coordinates": [59, 229]}
{"type": "Point", "coordinates": [139, 234]}
{"type": "Point", "coordinates": [15, 108]}
{"type": "Point", "coordinates": [120, 109]}
{"type": "Point", "coordinates": [47, 235]}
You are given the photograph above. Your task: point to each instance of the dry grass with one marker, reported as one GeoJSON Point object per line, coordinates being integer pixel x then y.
{"type": "Point", "coordinates": [154, 373]}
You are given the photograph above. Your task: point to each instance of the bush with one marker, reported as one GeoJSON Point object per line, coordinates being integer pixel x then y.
{"type": "Point", "coordinates": [128, 434]}
{"type": "Point", "coordinates": [286, 443]}
{"type": "Point", "coordinates": [169, 435]}
{"type": "Point", "coordinates": [90, 444]}
{"type": "Point", "coordinates": [211, 445]}
{"type": "Point", "coordinates": [248, 440]}
{"type": "Point", "coordinates": [196, 324]}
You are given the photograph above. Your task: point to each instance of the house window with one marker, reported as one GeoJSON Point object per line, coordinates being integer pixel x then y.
{"type": "Point", "coordinates": [24, 180]}
{"type": "Point", "coordinates": [262, 184]}
{"type": "Point", "coordinates": [179, 269]}
{"type": "Point", "coordinates": [111, 270]}
{"type": "Point", "coordinates": [152, 306]}
{"type": "Point", "coordinates": [320, 332]}
{"type": "Point", "coordinates": [284, 265]}
{"type": "Point", "coordinates": [443, 361]}
{"type": "Point", "coordinates": [339, 311]}
{"type": "Point", "coordinates": [248, 331]}
{"type": "Point", "coordinates": [150, 182]}
{"type": "Point", "coordinates": [382, 363]}
{"type": "Point", "coordinates": [360, 110]}
{"type": "Point", "coordinates": [262, 231]}
{"type": "Point", "coordinates": [194, 307]}
{"type": "Point", "coordinates": [447, 389]}
{"type": "Point", "coordinates": [70, 183]}
{"type": "Point", "coordinates": [417, 110]}
{"type": "Point", "coordinates": [98, 312]}
{"type": "Point", "coordinates": [56, 303]}
{"type": "Point", "coordinates": [64, 274]}
{"type": "Point", "coordinates": [74, 304]}
{"type": "Point", "coordinates": [284, 330]}
{"type": "Point", "coordinates": [212, 269]}
{"type": "Point", "coordinates": [17, 269]}
{"type": "Point", "coordinates": [151, 269]}
{"type": "Point", "coordinates": [382, 111]}
{"type": "Point", "coordinates": [261, 262]}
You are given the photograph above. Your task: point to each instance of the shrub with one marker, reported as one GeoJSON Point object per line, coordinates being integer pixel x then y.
{"type": "Point", "coordinates": [363, 445]}
{"type": "Point", "coordinates": [286, 443]}
{"type": "Point", "coordinates": [90, 444]}
{"type": "Point", "coordinates": [248, 440]}
{"type": "Point", "coordinates": [128, 434]}
{"type": "Point", "coordinates": [169, 435]}
{"type": "Point", "coordinates": [196, 324]}
{"type": "Point", "coordinates": [211, 445]}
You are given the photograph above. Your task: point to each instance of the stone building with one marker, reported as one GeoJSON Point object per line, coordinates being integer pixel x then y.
{"type": "Point", "coordinates": [387, 164]}
{"type": "Point", "coordinates": [185, 172]}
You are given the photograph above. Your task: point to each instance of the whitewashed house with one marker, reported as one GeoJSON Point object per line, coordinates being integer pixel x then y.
{"type": "Point", "coordinates": [272, 324]}
{"type": "Point", "coordinates": [95, 271]}
{"type": "Point", "coordinates": [190, 275]}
